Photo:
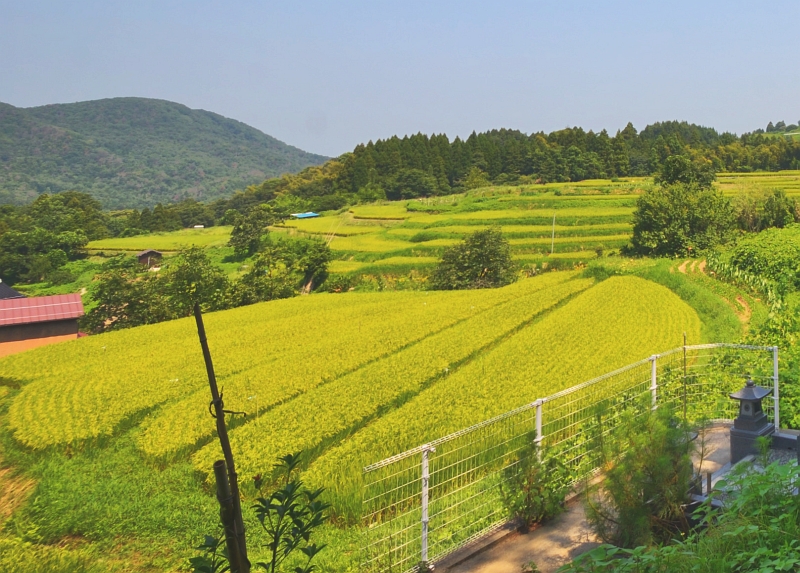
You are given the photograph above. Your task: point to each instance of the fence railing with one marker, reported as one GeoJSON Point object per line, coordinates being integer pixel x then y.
{"type": "Point", "coordinates": [427, 502]}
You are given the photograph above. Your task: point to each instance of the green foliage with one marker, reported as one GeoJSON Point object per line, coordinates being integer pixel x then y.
{"type": "Point", "coordinates": [482, 260]}
{"type": "Point", "coordinates": [678, 169]}
{"type": "Point", "coordinates": [773, 254]}
{"type": "Point", "coordinates": [758, 530]}
{"type": "Point", "coordinates": [647, 479]}
{"type": "Point", "coordinates": [535, 486]}
{"type": "Point", "coordinates": [410, 184]}
{"type": "Point", "coordinates": [248, 230]}
{"type": "Point", "coordinates": [680, 220]}
{"type": "Point", "coordinates": [124, 300]}
{"type": "Point", "coordinates": [36, 241]}
{"type": "Point", "coordinates": [476, 178]}
{"type": "Point", "coordinates": [191, 278]}
{"type": "Point", "coordinates": [289, 516]}
{"type": "Point", "coordinates": [758, 209]}
{"type": "Point", "coordinates": [135, 152]}
{"type": "Point", "coordinates": [214, 558]}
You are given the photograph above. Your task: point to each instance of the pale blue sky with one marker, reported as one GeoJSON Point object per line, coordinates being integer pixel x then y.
{"type": "Point", "coordinates": [325, 76]}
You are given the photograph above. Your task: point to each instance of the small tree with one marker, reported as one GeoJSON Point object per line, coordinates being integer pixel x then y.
{"type": "Point", "coordinates": [678, 169]}
{"type": "Point", "coordinates": [249, 229]}
{"type": "Point", "coordinates": [482, 260]}
{"type": "Point", "coordinates": [191, 277]}
{"type": "Point", "coordinates": [648, 476]}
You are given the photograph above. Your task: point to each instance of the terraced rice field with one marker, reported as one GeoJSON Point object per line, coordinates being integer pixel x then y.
{"type": "Point", "coordinates": [344, 378]}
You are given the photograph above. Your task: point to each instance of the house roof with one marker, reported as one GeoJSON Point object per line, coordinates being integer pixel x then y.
{"type": "Point", "coordinates": [40, 309]}
{"type": "Point", "coordinates": [148, 252]}
{"type": "Point", "coordinates": [8, 292]}
{"type": "Point", "coordinates": [306, 215]}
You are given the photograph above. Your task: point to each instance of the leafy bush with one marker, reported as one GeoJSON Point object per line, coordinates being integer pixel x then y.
{"type": "Point", "coordinates": [288, 516]}
{"type": "Point", "coordinates": [535, 486]}
{"type": "Point", "coordinates": [482, 260]}
{"type": "Point", "coordinates": [680, 220]}
{"type": "Point", "coordinates": [773, 254]}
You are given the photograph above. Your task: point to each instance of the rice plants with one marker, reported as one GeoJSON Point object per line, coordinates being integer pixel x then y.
{"type": "Point", "coordinates": [342, 404]}
{"type": "Point", "coordinates": [621, 320]}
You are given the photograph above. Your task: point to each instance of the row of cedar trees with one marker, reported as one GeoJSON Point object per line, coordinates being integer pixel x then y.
{"type": "Point", "coordinates": [422, 165]}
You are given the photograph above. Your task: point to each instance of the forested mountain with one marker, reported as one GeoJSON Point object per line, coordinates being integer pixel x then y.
{"type": "Point", "coordinates": [135, 152]}
{"type": "Point", "coordinates": [422, 165]}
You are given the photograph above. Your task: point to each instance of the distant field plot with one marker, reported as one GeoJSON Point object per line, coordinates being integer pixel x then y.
{"type": "Point", "coordinates": [337, 225]}
{"type": "Point", "coordinates": [374, 243]}
{"type": "Point", "coordinates": [734, 183]}
{"type": "Point", "coordinates": [392, 211]}
{"type": "Point", "coordinates": [174, 241]}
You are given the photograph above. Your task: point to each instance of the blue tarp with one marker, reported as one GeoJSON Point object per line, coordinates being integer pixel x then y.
{"type": "Point", "coordinates": [306, 215]}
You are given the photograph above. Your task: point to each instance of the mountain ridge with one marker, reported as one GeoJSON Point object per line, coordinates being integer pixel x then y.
{"type": "Point", "coordinates": [135, 152]}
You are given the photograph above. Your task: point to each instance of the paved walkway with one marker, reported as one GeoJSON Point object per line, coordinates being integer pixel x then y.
{"type": "Point", "coordinates": [569, 535]}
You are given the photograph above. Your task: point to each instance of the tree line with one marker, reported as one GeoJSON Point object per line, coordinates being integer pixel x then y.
{"type": "Point", "coordinates": [421, 165]}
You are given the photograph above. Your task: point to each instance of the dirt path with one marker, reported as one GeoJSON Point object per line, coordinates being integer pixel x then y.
{"type": "Point", "coordinates": [682, 268]}
{"type": "Point", "coordinates": [746, 311]}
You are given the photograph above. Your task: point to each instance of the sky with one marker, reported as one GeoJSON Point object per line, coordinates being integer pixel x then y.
{"type": "Point", "coordinates": [325, 76]}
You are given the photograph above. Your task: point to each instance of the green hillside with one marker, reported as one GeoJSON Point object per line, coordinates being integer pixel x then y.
{"type": "Point", "coordinates": [135, 152]}
{"type": "Point", "coordinates": [115, 434]}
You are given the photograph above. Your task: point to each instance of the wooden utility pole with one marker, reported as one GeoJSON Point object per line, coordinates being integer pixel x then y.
{"type": "Point", "coordinates": [227, 485]}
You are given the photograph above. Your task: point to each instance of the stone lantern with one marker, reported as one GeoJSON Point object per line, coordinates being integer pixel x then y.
{"type": "Point", "coordinates": [751, 423]}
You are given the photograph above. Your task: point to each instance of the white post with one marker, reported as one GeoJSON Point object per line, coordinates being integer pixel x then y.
{"type": "Point", "coordinates": [654, 380]}
{"type": "Point", "coordinates": [426, 450]}
{"type": "Point", "coordinates": [776, 392]}
{"type": "Point", "coordinates": [539, 436]}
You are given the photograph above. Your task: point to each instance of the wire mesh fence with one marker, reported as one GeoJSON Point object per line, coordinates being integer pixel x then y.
{"type": "Point", "coordinates": [425, 503]}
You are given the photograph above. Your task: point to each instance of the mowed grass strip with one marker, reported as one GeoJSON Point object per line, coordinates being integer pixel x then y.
{"type": "Point", "coordinates": [328, 411]}
{"type": "Point", "coordinates": [619, 321]}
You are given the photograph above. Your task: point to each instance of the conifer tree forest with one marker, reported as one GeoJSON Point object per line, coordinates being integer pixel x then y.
{"type": "Point", "coordinates": [421, 165]}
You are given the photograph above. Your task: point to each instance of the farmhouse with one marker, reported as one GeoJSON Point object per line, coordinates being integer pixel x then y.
{"type": "Point", "coordinates": [30, 322]}
{"type": "Point", "coordinates": [149, 258]}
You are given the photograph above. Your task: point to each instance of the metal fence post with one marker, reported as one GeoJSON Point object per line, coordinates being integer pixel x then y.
{"type": "Point", "coordinates": [654, 380]}
{"type": "Point", "coordinates": [426, 476]}
{"type": "Point", "coordinates": [776, 392]}
{"type": "Point", "coordinates": [539, 436]}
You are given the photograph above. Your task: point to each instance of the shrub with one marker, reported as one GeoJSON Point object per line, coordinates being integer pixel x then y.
{"type": "Point", "coordinates": [482, 260]}
{"type": "Point", "coordinates": [647, 480]}
{"type": "Point", "coordinates": [535, 486]}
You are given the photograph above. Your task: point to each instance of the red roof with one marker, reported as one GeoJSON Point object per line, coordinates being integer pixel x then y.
{"type": "Point", "coordinates": [40, 309]}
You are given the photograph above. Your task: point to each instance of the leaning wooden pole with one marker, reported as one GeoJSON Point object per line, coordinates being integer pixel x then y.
{"type": "Point", "coordinates": [222, 431]}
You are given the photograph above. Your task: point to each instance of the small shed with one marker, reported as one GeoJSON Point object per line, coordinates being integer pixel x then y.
{"type": "Point", "coordinates": [149, 258]}
{"type": "Point", "coordinates": [7, 292]}
{"type": "Point", "coordinates": [306, 215]}
{"type": "Point", "coordinates": [36, 321]}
